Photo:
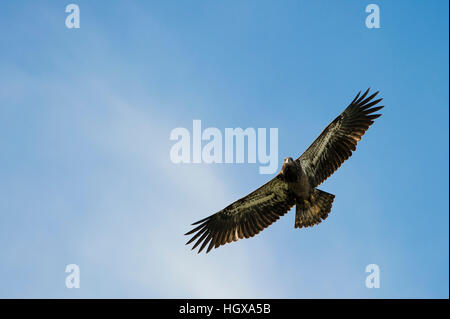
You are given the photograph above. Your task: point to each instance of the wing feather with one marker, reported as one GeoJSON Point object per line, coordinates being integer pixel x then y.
{"type": "Point", "coordinates": [338, 140]}
{"type": "Point", "coordinates": [244, 218]}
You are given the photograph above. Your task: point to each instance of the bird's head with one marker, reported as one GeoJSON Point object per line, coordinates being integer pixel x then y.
{"type": "Point", "coordinates": [288, 161]}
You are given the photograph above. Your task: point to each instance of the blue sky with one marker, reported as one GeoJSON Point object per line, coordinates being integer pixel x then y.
{"type": "Point", "coordinates": [85, 119]}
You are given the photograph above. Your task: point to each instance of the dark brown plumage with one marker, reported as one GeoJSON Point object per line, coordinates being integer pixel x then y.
{"type": "Point", "coordinates": [337, 141]}
{"type": "Point", "coordinates": [295, 184]}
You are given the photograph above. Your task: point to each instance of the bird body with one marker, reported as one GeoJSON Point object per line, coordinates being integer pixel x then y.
{"type": "Point", "coordinates": [292, 172]}
{"type": "Point", "coordinates": [295, 184]}
{"type": "Point", "coordinates": [312, 205]}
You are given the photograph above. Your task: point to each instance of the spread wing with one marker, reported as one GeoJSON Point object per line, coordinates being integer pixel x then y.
{"type": "Point", "coordinates": [246, 217]}
{"type": "Point", "coordinates": [337, 141]}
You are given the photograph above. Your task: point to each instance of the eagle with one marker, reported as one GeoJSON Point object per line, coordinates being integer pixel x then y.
{"type": "Point", "coordinates": [295, 184]}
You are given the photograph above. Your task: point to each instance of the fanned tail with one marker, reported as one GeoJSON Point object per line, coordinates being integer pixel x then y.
{"type": "Point", "coordinates": [313, 210]}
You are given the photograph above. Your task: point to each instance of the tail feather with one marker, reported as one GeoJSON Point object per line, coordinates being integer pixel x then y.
{"type": "Point", "coordinates": [313, 210]}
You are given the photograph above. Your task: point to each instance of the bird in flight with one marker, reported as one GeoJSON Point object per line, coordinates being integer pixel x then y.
{"type": "Point", "coordinates": [295, 184]}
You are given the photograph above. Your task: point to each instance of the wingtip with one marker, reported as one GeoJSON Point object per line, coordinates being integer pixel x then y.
{"type": "Point", "coordinates": [356, 97]}
{"type": "Point", "coordinates": [363, 100]}
{"type": "Point", "coordinates": [374, 116]}
{"type": "Point", "coordinates": [200, 221]}
{"type": "Point", "coordinates": [190, 232]}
